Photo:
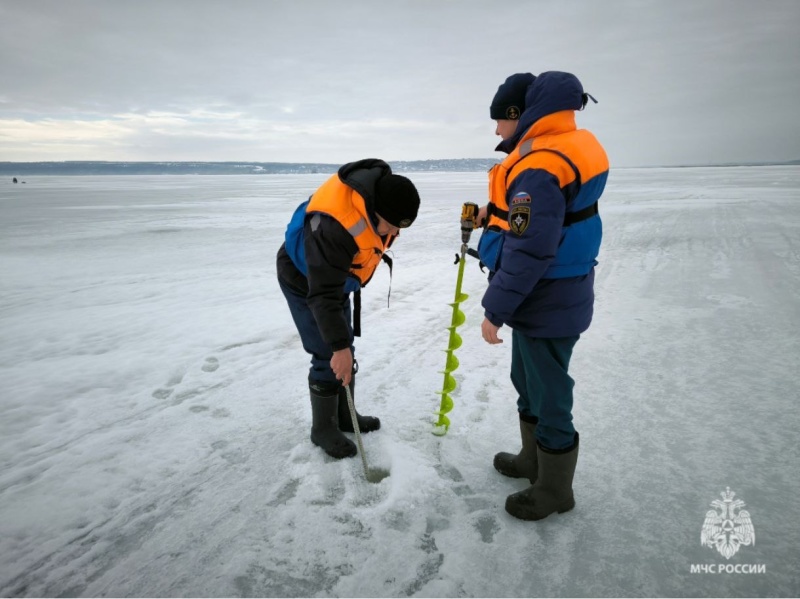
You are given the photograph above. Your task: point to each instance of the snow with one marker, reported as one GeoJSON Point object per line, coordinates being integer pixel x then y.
{"type": "Point", "coordinates": [154, 418]}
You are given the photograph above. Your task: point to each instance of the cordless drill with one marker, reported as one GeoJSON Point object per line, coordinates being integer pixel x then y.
{"type": "Point", "coordinates": [469, 213]}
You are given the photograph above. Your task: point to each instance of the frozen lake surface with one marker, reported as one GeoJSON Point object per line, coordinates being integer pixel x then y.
{"type": "Point", "coordinates": [154, 417]}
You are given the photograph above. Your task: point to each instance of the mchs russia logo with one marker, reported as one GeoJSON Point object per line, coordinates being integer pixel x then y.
{"type": "Point", "coordinates": [727, 527]}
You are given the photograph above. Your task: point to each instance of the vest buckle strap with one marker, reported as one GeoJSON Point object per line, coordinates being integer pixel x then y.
{"type": "Point", "coordinates": [570, 218]}
{"type": "Point", "coordinates": [493, 210]}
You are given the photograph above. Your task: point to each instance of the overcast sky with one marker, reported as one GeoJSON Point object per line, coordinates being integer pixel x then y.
{"type": "Point", "coordinates": [678, 81]}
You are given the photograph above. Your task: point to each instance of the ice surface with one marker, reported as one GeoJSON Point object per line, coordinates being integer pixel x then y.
{"type": "Point", "coordinates": [154, 417]}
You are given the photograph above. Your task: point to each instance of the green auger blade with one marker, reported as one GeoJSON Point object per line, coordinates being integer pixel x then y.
{"type": "Point", "coordinates": [443, 423]}
{"type": "Point", "coordinates": [455, 339]}
{"type": "Point", "coordinates": [458, 317]}
{"type": "Point", "coordinates": [449, 383]}
{"type": "Point", "coordinates": [446, 405]}
{"type": "Point", "coordinates": [452, 361]}
{"type": "Point", "coordinates": [454, 343]}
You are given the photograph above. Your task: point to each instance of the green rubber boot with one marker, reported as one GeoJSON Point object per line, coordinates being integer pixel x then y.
{"type": "Point", "coordinates": [552, 491]}
{"type": "Point", "coordinates": [523, 464]}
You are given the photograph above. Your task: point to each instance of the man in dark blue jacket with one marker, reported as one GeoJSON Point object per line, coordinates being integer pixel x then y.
{"type": "Point", "coordinates": [541, 240]}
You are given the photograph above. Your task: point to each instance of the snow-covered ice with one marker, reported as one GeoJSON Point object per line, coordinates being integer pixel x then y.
{"type": "Point", "coordinates": [154, 416]}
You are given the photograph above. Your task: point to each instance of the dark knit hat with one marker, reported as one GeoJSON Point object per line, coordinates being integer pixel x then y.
{"type": "Point", "coordinates": [509, 101]}
{"type": "Point", "coordinates": [396, 200]}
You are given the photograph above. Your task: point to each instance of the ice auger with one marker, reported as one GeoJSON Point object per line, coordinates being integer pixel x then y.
{"type": "Point", "coordinates": [469, 214]}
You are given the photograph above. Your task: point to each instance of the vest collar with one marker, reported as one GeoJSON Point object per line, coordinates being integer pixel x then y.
{"type": "Point", "coordinates": [562, 121]}
{"type": "Point", "coordinates": [552, 124]}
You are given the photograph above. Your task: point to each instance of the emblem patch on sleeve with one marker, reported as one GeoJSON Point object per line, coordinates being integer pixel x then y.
{"type": "Point", "coordinates": [520, 216]}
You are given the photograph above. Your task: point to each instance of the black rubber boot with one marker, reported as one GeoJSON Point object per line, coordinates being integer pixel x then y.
{"type": "Point", "coordinates": [523, 464]}
{"type": "Point", "coordinates": [553, 489]}
{"type": "Point", "coordinates": [366, 424]}
{"type": "Point", "coordinates": [325, 431]}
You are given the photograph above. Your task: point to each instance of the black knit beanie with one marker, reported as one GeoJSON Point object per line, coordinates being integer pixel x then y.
{"type": "Point", "coordinates": [509, 101]}
{"type": "Point", "coordinates": [396, 200]}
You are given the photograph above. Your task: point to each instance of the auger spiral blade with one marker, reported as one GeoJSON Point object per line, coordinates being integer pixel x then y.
{"type": "Point", "coordinates": [452, 362]}
{"type": "Point", "coordinates": [459, 317]}
{"type": "Point", "coordinates": [454, 342]}
{"type": "Point", "coordinates": [455, 339]}
{"type": "Point", "coordinates": [449, 383]}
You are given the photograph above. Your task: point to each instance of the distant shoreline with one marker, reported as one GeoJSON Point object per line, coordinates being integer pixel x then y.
{"type": "Point", "coordinates": [88, 167]}
{"type": "Point", "coordinates": [225, 168]}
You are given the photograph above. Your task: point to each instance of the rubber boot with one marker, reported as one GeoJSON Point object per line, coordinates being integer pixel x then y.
{"type": "Point", "coordinates": [524, 464]}
{"type": "Point", "coordinates": [552, 491]}
{"type": "Point", "coordinates": [366, 424]}
{"type": "Point", "coordinates": [325, 431]}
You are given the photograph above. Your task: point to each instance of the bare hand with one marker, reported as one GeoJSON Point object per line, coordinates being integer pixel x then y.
{"type": "Point", "coordinates": [342, 365]}
{"type": "Point", "coordinates": [489, 332]}
{"type": "Point", "coordinates": [482, 213]}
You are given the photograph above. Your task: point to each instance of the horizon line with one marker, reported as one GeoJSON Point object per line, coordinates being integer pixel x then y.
{"type": "Point", "coordinates": [336, 164]}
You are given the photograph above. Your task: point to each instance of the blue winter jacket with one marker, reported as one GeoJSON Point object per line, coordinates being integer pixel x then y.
{"type": "Point", "coordinates": [542, 279]}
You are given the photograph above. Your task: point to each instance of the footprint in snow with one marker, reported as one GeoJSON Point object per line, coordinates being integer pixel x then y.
{"type": "Point", "coordinates": [165, 391]}
{"type": "Point", "coordinates": [210, 365]}
{"type": "Point", "coordinates": [486, 523]}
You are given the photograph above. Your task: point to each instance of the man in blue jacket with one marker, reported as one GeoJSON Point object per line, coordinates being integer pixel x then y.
{"type": "Point", "coordinates": [541, 240]}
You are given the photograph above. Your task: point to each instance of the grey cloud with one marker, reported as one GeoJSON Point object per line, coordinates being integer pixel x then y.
{"type": "Point", "coordinates": [676, 80]}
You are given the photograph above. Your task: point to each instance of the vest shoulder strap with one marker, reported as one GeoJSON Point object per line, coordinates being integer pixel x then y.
{"type": "Point", "coordinates": [527, 150]}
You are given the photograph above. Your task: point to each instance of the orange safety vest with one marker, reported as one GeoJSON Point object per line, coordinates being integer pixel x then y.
{"type": "Point", "coordinates": [551, 144]}
{"type": "Point", "coordinates": [347, 206]}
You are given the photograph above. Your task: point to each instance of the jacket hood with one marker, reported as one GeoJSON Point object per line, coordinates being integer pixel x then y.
{"type": "Point", "coordinates": [552, 91]}
{"type": "Point", "coordinates": [363, 176]}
